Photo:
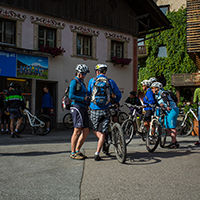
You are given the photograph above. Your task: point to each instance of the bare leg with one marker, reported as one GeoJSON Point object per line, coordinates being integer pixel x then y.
{"type": "Point", "coordinates": [101, 137]}
{"type": "Point", "coordinates": [74, 138]}
{"type": "Point", "coordinates": [173, 134]}
{"type": "Point", "coordinates": [11, 125]}
{"type": "Point", "coordinates": [19, 123]}
{"type": "Point", "coordinates": [82, 138]}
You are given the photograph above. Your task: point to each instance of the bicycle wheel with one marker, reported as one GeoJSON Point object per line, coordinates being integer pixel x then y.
{"type": "Point", "coordinates": [163, 136]}
{"type": "Point", "coordinates": [45, 128]}
{"type": "Point", "coordinates": [128, 130]}
{"type": "Point", "coordinates": [119, 143]}
{"type": "Point", "coordinates": [186, 128]}
{"type": "Point", "coordinates": [23, 124]}
{"type": "Point", "coordinates": [122, 116]}
{"type": "Point", "coordinates": [67, 121]}
{"type": "Point", "coordinates": [152, 139]}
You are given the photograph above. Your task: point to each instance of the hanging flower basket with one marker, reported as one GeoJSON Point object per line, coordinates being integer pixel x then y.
{"type": "Point", "coordinates": [55, 51]}
{"type": "Point", "coordinates": [122, 61]}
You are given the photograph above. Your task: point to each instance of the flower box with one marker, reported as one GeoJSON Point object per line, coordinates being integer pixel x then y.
{"type": "Point", "coordinates": [122, 61]}
{"type": "Point", "coordinates": [54, 51]}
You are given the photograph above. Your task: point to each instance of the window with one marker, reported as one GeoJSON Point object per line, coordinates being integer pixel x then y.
{"type": "Point", "coordinates": [162, 51]}
{"type": "Point", "coordinates": [7, 31]}
{"type": "Point", "coordinates": [164, 9]}
{"type": "Point", "coordinates": [47, 36]}
{"type": "Point", "coordinates": [116, 49]}
{"type": "Point", "coordinates": [84, 45]}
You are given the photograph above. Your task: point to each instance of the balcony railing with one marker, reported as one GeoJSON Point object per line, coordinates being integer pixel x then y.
{"type": "Point", "coordinates": [142, 50]}
{"type": "Point", "coordinates": [185, 79]}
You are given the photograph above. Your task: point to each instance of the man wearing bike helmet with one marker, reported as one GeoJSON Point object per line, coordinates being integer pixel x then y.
{"type": "Point", "coordinates": [14, 102]}
{"type": "Point", "coordinates": [152, 80]}
{"type": "Point", "coordinates": [100, 100]}
{"type": "Point", "coordinates": [78, 109]}
{"type": "Point", "coordinates": [164, 99]}
{"type": "Point", "coordinates": [147, 100]}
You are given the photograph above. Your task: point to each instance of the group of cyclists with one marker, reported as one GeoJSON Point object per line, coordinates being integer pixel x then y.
{"type": "Point", "coordinates": [98, 103]}
{"type": "Point", "coordinates": [155, 94]}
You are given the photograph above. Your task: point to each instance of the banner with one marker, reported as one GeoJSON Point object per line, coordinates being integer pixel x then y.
{"type": "Point", "coordinates": [32, 66]}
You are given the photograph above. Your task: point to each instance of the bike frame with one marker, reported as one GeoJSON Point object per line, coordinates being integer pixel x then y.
{"type": "Point", "coordinates": [186, 115]}
{"type": "Point", "coordinates": [32, 118]}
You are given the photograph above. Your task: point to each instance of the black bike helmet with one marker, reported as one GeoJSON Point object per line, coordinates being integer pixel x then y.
{"type": "Point", "coordinates": [133, 93]}
{"type": "Point", "coordinates": [12, 85]}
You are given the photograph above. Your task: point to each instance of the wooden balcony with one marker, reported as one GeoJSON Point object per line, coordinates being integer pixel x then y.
{"type": "Point", "coordinates": [185, 79]}
{"type": "Point", "coordinates": [142, 51]}
{"type": "Point", "coordinates": [193, 30]}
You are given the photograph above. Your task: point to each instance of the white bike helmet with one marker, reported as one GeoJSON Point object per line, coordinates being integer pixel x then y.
{"type": "Point", "coordinates": [152, 79]}
{"type": "Point", "coordinates": [145, 82]}
{"type": "Point", "coordinates": [101, 67]}
{"type": "Point", "coordinates": [157, 85]}
{"type": "Point", "coordinates": [82, 68]}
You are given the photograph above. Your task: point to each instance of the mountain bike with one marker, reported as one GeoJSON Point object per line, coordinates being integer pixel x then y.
{"type": "Point", "coordinates": [185, 124]}
{"type": "Point", "coordinates": [40, 125]}
{"type": "Point", "coordinates": [157, 133]}
{"type": "Point", "coordinates": [134, 124]}
{"type": "Point", "coordinates": [115, 136]}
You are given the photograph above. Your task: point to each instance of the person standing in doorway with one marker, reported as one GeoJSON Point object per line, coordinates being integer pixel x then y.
{"type": "Point", "coordinates": [47, 104]}
{"type": "Point", "coordinates": [78, 109]}
{"type": "Point", "coordinates": [196, 99]}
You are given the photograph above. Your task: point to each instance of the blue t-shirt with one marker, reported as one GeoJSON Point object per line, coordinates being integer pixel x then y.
{"type": "Point", "coordinates": [47, 101]}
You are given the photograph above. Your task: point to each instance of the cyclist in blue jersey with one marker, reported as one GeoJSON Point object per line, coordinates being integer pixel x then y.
{"type": "Point", "coordinates": [164, 99]}
{"type": "Point", "coordinates": [100, 89]}
{"type": "Point", "coordinates": [78, 109]}
{"type": "Point", "coordinates": [147, 100]}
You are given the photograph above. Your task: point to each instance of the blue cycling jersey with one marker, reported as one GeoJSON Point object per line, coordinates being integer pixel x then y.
{"type": "Point", "coordinates": [77, 92]}
{"type": "Point", "coordinates": [148, 99]}
{"type": "Point", "coordinates": [113, 89]}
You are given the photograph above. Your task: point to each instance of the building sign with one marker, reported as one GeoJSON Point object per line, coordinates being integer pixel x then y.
{"type": "Point", "coordinates": [32, 66]}
{"type": "Point", "coordinates": [7, 64]}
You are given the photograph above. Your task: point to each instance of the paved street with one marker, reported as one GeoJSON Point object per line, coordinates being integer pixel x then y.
{"type": "Point", "coordinates": [39, 167]}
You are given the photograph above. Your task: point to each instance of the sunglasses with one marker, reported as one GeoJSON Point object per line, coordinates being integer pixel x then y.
{"type": "Point", "coordinates": [83, 74]}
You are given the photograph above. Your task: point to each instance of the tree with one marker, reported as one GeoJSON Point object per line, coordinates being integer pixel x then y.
{"type": "Point", "coordinates": [177, 60]}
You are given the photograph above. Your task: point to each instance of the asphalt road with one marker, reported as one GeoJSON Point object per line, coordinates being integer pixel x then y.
{"type": "Point", "coordinates": [39, 167]}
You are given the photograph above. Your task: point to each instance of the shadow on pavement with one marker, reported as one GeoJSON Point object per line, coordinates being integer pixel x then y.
{"type": "Point", "coordinates": [34, 153]}
{"type": "Point", "coordinates": [146, 158]}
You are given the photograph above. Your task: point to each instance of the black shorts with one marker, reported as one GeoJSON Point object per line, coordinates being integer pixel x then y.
{"type": "Point", "coordinates": [147, 116]}
{"type": "Point", "coordinates": [15, 112]}
{"type": "Point", "coordinates": [79, 116]}
{"type": "Point", "coordinates": [47, 111]}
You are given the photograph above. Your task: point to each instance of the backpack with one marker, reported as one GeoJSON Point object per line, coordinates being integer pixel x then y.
{"type": "Point", "coordinates": [101, 92]}
{"type": "Point", "coordinates": [173, 96]}
{"type": "Point", "coordinates": [66, 101]}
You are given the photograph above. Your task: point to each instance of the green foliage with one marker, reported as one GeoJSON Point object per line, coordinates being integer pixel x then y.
{"type": "Point", "coordinates": [177, 60]}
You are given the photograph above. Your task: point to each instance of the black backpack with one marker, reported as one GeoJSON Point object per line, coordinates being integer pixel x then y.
{"type": "Point", "coordinates": [173, 96]}
{"type": "Point", "coordinates": [66, 101]}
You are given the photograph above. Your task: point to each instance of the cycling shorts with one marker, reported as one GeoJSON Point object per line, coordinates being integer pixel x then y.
{"type": "Point", "coordinates": [15, 112]}
{"type": "Point", "coordinates": [79, 116]}
{"type": "Point", "coordinates": [171, 118]}
{"type": "Point", "coordinates": [100, 120]}
{"type": "Point", "coordinates": [147, 116]}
